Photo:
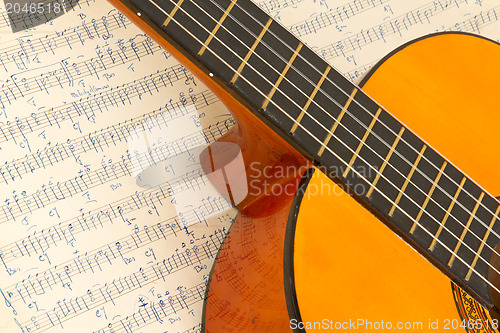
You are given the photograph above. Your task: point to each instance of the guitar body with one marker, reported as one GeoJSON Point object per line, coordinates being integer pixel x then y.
{"type": "Point", "coordinates": [347, 265]}
{"type": "Point", "coordinates": [342, 265]}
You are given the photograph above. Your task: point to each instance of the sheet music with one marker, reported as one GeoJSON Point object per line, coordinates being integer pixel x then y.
{"type": "Point", "coordinates": [107, 221]}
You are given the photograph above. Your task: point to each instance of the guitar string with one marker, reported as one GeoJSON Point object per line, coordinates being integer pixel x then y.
{"type": "Point", "coordinates": [354, 153]}
{"type": "Point", "coordinates": [327, 148]}
{"type": "Point", "coordinates": [364, 126]}
{"type": "Point", "coordinates": [378, 120]}
{"type": "Point", "coordinates": [359, 122]}
{"type": "Point", "coordinates": [432, 236]}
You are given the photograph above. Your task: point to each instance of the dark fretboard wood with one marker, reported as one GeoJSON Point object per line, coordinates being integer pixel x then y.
{"type": "Point", "coordinates": [410, 186]}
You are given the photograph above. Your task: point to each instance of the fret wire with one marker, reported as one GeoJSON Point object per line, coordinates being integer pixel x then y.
{"type": "Point", "coordinates": [393, 185]}
{"type": "Point", "coordinates": [172, 13]}
{"type": "Point", "coordinates": [310, 99]}
{"type": "Point", "coordinates": [345, 111]}
{"type": "Point", "coordinates": [427, 198]}
{"type": "Point", "coordinates": [448, 212]}
{"type": "Point", "coordinates": [333, 153]}
{"type": "Point", "coordinates": [282, 75]}
{"type": "Point", "coordinates": [478, 253]}
{"type": "Point", "coordinates": [337, 122]}
{"type": "Point", "coordinates": [400, 194]}
{"type": "Point", "coordinates": [217, 26]}
{"type": "Point", "coordinates": [386, 161]}
{"type": "Point", "coordinates": [295, 125]}
{"type": "Point", "coordinates": [464, 232]}
{"type": "Point", "coordinates": [361, 143]}
{"type": "Point", "coordinates": [385, 125]}
{"type": "Point", "coordinates": [251, 51]}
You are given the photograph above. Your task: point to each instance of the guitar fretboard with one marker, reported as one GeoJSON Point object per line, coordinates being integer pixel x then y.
{"type": "Point", "coordinates": [411, 187]}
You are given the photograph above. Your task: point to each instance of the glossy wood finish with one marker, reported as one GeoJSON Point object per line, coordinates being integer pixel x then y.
{"type": "Point", "coordinates": [445, 89]}
{"type": "Point", "coordinates": [234, 307]}
{"type": "Point", "coordinates": [246, 289]}
{"type": "Point", "coordinates": [259, 145]}
{"type": "Point", "coordinates": [336, 126]}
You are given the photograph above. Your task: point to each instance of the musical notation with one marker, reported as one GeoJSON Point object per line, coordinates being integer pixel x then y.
{"type": "Point", "coordinates": [67, 74]}
{"type": "Point", "coordinates": [97, 141]}
{"type": "Point", "coordinates": [73, 101]}
{"type": "Point", "coordinates": [26, 20]}
{"type": "Point", "coordinates": [274, 5]}
{"type": "Point", "coordinates": [16, 207]}
{"type": "Point", "coordinates": [397, 25]}
{"type": "Point", "coordinates": [26, 50]}
{"type": "Point", "coordinates": [111, 291]}
{"type": "Point", "coordinates": [333, 17]}
{"type": "Point", "coordinates": [89, 105]}
{"type": "Point", "coordinates": [158, 311]}
{"type": "Point", "coordinates": [118, 250]}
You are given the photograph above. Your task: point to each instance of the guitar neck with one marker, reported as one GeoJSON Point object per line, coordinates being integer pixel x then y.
{"type": "Point", "coordinates": [442, 213]}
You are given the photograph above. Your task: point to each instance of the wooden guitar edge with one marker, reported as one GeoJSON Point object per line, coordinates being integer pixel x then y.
{"type": "Point", "coordinates": [255, 135]}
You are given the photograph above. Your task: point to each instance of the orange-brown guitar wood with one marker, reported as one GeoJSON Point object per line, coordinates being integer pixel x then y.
{"type": "Point", "coordinates": [258, 143]}
{"type": "Point", "coordinates": [241, 301]}
{"type": "Point", "coordinates": [348, 266]}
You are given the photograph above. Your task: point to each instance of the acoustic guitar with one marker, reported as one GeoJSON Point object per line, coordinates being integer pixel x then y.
{"type": "Point", "coordinates": [327, 161]}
